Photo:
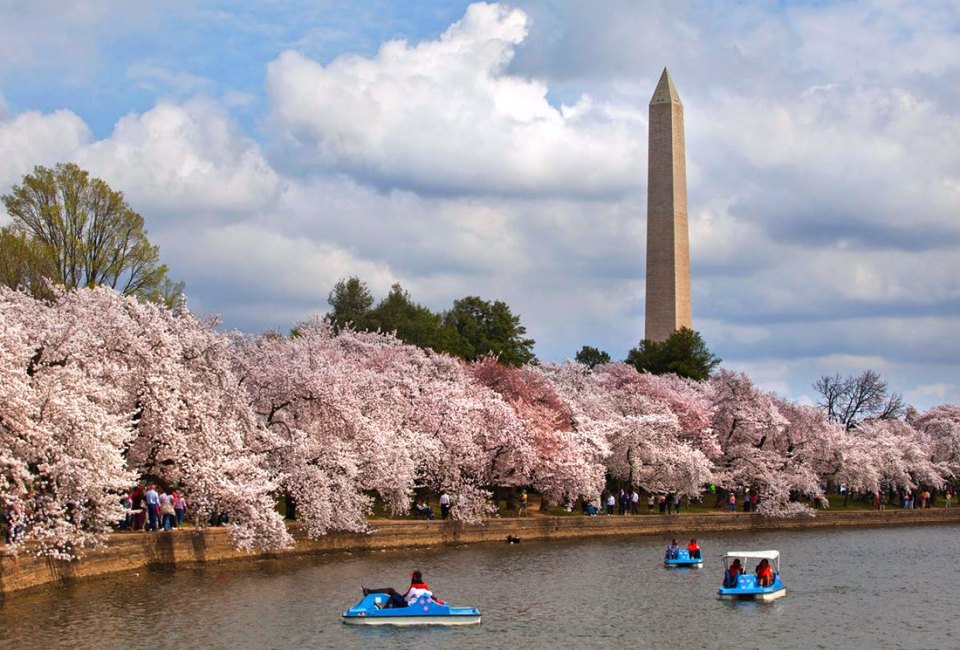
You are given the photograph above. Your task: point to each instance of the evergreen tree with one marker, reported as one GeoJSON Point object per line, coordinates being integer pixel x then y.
{"type": "Point", "coordinates": [591, 356]}
{"type": "Point", "coordinates": [351, 301]}
{"type": "Point", "coordinates": [413, 323]}
{"type": "Point", "coordinates": [489, 328]}
{"type": "Point", "coordinates": [684, 353]}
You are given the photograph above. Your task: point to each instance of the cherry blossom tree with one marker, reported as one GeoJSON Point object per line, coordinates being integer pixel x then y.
{"type": "Point", "coordinates": [61, 435]}
{"type": "Point", "coordinates": [359, 412]}
{"type": "Point", "coordinates": [691, 401]}
{"type": "Point", "coordinates": [160, 377]}
{"type": "Point", "coordinates": [640, 438]}
{"type": "Point", "coordinates": [889, 452]}
{"type": "Point", "coordinates": [314, 427]}
{"type": "Point", "coordinates": [555, 459]}
{"type": "Point", "coordinates": [941, 426]}
{"type": "Point", "coordinates": [760, 446]}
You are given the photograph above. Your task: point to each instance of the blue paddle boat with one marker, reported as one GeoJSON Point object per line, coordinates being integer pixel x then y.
{"type": "Point", "coordinates": [683, 560]}
{"type": "Point", "coordinates": [744, 586]}
{"type": "Point", "coordinates": [424, 611]}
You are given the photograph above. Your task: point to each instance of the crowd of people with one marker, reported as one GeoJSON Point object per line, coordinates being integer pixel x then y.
{"type": "Point", "coordinates": [628, 502]}
{"type": "Point", "coordinates": [922, 499]}
{"type": "Point", "coordinates": [146, 508]}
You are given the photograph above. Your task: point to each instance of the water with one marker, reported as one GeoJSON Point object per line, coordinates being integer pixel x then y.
{"type": "Point", "coordinates": [873, 588]}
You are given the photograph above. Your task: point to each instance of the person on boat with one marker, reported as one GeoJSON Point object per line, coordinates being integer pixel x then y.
{"type": "Point", "coordinates": [418, 589]}
{"type": "Point", "coordinates": [673, 551]}
{"type": "Point", "coordinates": [693, 549]}
{"type": "Point", "coordinates": [764, 574]}
{"type": "Point", "coordinates": [732, 574]}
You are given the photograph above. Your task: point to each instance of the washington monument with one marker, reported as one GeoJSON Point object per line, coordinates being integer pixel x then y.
{"type": "Point", "coordinates": [668, 241]}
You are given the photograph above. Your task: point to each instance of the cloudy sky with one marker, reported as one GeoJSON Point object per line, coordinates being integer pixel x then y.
{"type": "Point", "coordinates": [500, 150]}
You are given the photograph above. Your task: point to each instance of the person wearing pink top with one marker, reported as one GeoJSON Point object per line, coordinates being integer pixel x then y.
{"type": "Point", "coordinates": [179, 507]}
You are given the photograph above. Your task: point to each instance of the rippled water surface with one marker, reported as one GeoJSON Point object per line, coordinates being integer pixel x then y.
{"type": "Point", "coordinates": [874, 588]}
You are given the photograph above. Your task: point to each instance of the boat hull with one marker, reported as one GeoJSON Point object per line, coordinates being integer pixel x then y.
{"type": "Point", "coordinates": [371, 610]}
{"type": "Point", "coordinates": [763, 597]}
{"type": "Point", "coordinates": [404, 621]}
{"type": "Point", "coordinates": [673, 564]}
{"type": "Point", "coordinates": [747, 589]}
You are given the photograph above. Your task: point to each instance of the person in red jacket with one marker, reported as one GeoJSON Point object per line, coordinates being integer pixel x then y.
{"type": "Point", "coordinates": [764, 574]}
{"type": "Point", "coordinates": [732, 575]}
{"type": "Point", "coordinates": [693, 549]}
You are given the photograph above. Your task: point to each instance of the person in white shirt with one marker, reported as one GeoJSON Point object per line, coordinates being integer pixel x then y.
{"type": "Point", "coordinates": [444, 505]}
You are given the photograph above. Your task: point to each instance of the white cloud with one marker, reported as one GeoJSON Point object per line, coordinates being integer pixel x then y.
{"type": "Point", "coordinates": [35, 138]}
{"type": "Point", "coordinates": [184, 158]}
{"type": "Point", "coordinates": [174, 158]}
{"type": "Point", "coordinates": [445, 116]}
{"type": "Point", "coordinates": [252, 265]}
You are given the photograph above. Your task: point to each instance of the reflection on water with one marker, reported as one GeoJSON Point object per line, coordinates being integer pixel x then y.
{"type": "Point", "coordinates": [874, 588]}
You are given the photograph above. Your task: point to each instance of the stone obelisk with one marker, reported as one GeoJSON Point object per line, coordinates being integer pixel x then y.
{"type": "Point", "coordinates": [668, 241]}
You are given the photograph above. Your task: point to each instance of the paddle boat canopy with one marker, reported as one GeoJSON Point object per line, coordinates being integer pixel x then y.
{"type": "Point", "coordinates": [746, 587]}
{"type": "Point", "coordinates": [682, 560]}
{"type": "Point", "coordinates": [424, 611]}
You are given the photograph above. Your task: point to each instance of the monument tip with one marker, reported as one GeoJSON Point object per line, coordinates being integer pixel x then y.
{"type": "Point", "coordinates": [666, 92]}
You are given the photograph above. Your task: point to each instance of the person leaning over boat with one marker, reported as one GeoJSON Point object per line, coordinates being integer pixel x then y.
{"type": "Point", "coordinates": [693, 549]}
{"type": "Point", "coordinates": [418, 589]}
{"type": "Point", "coordinates": [764, 574]}
{"type": "Point", "coordinates": [732, 575]}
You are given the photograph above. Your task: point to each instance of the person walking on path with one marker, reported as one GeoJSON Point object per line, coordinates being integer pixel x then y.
{"type": "Point", "coordinates": [947, 497]}
{"type": "Point", "coordinates": [733, 502]}
{"type": "Point", "coordinates": [650, 504]}
{"type": "Point", "coordinates": [611, 501]}
{"type": "Point", "coordinates": [635, 502]}
{"type": "Point", "coordinates": [676, 503]}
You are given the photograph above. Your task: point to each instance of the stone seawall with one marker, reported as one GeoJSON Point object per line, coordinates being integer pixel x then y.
{"type": "Point", "coordinates": [147, 551]}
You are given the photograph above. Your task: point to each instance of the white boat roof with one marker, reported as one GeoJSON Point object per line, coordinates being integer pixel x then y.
{"type": "Point", "coordinates": [762, 555]}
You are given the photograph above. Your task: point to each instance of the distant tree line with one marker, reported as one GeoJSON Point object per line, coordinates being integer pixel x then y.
{"type": "Point", "coordinates": [471, 329]}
